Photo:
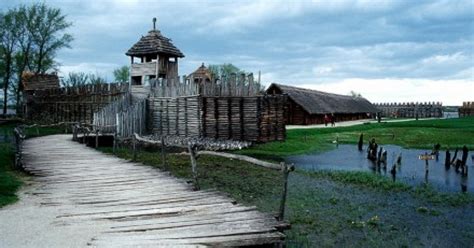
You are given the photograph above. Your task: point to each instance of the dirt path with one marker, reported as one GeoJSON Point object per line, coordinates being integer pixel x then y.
{"type": "Point", "coordinates": [351, 123]}
{"type": "Point", "coordinates": [79, 197]}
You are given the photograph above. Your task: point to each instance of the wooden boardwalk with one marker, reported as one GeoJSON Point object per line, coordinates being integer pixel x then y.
{"type": "Point", "coordinates": [130, 204]}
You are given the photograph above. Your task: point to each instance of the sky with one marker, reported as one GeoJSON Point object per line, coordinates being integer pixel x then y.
{"type": "Point", "coordinates": [386, 50]}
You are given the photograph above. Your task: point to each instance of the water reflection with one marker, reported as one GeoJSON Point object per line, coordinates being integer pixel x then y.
{"type": "Point", "coordinates": [412, 170]}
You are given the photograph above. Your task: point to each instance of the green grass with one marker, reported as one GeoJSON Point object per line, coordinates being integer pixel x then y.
{"type": "Point", "coordinates": [9, 183]}
{"type": "Point", "coordinates": [411, 134]}
{"type": "Point", "coordinates": [10, 180]}
{"type": "Point", "coordinates": [327, 208]}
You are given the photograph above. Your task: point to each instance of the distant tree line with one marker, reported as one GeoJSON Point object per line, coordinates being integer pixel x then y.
{"type": "Point", "coordinates": [121, 75]}
{"type": "Point", "coordinates": [30, 37]}
{"type": "Point", "coordinates": [224, 70]}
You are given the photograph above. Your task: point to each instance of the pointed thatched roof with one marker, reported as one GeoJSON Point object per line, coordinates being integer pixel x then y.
{"type": "Point", "coordinates": [154, 43]}
{"type": "Point", "coordinates": [201, 73]}
{"type": "Point", "coordinates": [318, 102]}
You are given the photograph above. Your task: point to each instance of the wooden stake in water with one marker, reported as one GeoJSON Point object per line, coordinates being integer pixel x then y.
{"type": "Point", "coordinates": [426, 157]}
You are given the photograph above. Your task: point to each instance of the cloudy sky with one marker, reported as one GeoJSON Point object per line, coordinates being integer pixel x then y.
{"type": "Point", "coordinates": [400, 50]}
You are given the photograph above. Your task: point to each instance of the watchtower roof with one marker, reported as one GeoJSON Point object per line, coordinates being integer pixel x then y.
{"type": "Point", "coordinates": [154, 43]}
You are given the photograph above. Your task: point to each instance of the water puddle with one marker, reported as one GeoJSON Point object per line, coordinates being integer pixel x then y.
{"type": "Point", "coordinates": [411, 170]}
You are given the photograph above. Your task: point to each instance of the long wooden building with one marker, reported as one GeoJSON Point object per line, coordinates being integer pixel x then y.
{"type": "Point", "coordinates": [306, 107]}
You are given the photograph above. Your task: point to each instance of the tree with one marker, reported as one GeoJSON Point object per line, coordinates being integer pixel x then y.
{"type": "Point", "coordinates": [122, 74]}
{"type": "Point", "coordinates": [23, 58]}
{"type": "Point", "coordinates": [8, 41]}
{"type": "Point", "coordinates": [76, 79]}
{"type": "Point", "coordinates": [47, 31]}
{"type": "Point", "coordinates": [355, 94]}
{"type": "Point", "coordinates": [224, 70]}
{"type": "Point", "coordinates": [29, 39]}
{"type": "Point", "coordinates": [96, 79]}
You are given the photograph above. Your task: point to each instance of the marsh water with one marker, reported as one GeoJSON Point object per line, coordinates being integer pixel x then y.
{"type": "Point", "coordinates": [411, 170]}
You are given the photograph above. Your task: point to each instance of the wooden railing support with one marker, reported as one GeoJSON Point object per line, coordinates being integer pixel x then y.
{"type": "Point", "coordinates": [134, 144]}
{"type": "Point", "coordinates": [286, 171]}
{"type": "Point", "coordinates": [19, 136]}
{"type": "Point", "coordinates": [75, 128]}
{"type": "Point", "coordinates": [192, 155]}
{"type": "Point", "coordinates": [97, 138]}
{"type": "Point", "coordinates": [114, 142]}
{"type": "Point", "coordinates": [163, 155]}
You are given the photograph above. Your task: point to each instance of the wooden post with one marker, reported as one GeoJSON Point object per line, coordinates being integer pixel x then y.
{"type": "Point", "coordinates": [114, 142]}
{"type": "Point", "coordinates": [74, 131]}
{"type": "Point", "coordinates": [426, 168]}
{"type": "Point", "coordinates": [134, 143]}
{"type": "Point", "coordinates": [286, 171]}
{"type": "Point", "coordinates": [192, 154]}
{"type": "Point", "coordinates": [163, 159]}
{"type": "Point", "coordinates": [97, 138]}
{"type": "Point", "coordinates": [19, 134]}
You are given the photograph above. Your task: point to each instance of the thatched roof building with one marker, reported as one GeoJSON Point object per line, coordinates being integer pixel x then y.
{"type": "Point", "coordinates": [307, 106]}
{"type": "Point", "coordinates": [33, 81]}
{"type": "Point", "coordinates": [158, 58]}
{"type": "Point", "coordinates": [201, 75]}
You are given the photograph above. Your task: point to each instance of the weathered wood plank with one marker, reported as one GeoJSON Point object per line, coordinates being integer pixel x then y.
{"type": "Point", "coordinates": [136, 205]}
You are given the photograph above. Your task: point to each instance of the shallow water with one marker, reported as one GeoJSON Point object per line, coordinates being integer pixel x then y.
{"type": "Point", "coordinates": [411, 171]}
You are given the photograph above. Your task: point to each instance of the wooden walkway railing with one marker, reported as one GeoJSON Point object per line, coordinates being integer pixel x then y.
{"type": "Point", "coordinates": [193, 149]}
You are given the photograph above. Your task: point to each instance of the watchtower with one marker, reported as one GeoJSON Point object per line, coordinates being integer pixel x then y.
{"type": "Point", "coordinates": [158, 58]}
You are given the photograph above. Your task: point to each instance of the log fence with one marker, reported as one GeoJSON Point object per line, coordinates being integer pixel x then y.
{"type": "Point", "coordinates": [70, 104]}
{"type": "Point", "coordinates": [232, 85]}
{"type": "Point", "coordinates": [255, 118]}
{"type": "Point", "coordinates": [411, 110]}
{"type": "Point", "coordinates": [467, 109]}
{"type": "Point", "coordinates": [123, 117]}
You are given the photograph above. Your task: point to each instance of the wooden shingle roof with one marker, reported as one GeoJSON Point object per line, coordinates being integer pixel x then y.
{"type": "Point", "coordinates": [154, 43]}
{"type": "Point", "coordinates": [318, 102]}
{"type": "Point", "coordinates": [33, 81]}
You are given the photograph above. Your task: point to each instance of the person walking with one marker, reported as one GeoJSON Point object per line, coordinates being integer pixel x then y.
{"type": "Point", "coordinates": [326, 120]}
{"type": "Point", "coordinates": [333, 120]}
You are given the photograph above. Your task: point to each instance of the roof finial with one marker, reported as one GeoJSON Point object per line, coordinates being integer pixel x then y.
{"type": "Point", "coordinates": [154, 23]}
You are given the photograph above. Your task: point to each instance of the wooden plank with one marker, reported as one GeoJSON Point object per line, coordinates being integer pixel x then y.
{"type": "Point", "coordinates": [133, 205]}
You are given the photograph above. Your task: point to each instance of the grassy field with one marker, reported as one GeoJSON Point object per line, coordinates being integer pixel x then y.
{"type": "Point", "coordinates": [411, 134]}
{"type": "Point", "coordinates": [356, 209]}
{"type": "Point", "coordinates": [10, 180]}
{"type": "Point", "coordinates": [336, 208]}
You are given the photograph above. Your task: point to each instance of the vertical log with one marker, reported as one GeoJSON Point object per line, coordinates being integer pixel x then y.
{"type": "Point", "coordinates": [134, 144]}
{"type": "Point", "coordinates": [97, 138]}
{"type": "Point", "coordinates": [241, 116]}
{"type": "Point", "coordinates": [114, 142]}
{"type": "Point", "coordinates": [426, 167]}
{"type": "Point", "coordinates": [216, 117]}
{"type": "Point", "coordinates": [229, 117]}
{"type": "Point", "coordinates": [192, 155]}
{"type": "Point", "coordinates": [286, 171]}
{"type": "Point", "coordinates": [163, 155]}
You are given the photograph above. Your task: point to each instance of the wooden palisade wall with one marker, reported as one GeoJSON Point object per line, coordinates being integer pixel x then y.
{"type": "Point", "coordinates": [467, 109]}
{"type": "Point", "coordinates": [411, 110]}
{"type": "Point", "coordinates": [253, 118]}
{"type": "Point", "coordinates": [70, 104]}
